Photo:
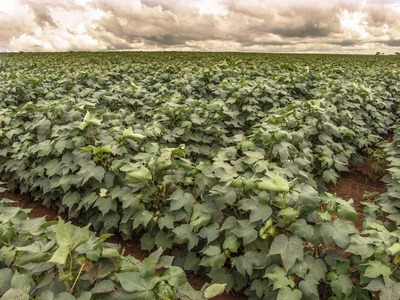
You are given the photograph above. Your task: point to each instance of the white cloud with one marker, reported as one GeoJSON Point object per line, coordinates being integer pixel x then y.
{"type": "Point", "coordinates": [354, 24]}
{"type": "Point", "coordinates": [222, 25]}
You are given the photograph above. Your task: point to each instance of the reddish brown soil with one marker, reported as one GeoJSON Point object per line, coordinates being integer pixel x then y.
{"type": "Point", "coordinates": [360, 179]}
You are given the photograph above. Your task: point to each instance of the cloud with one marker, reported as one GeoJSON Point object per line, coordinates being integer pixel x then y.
{"type": "Point", "coordinates": [154, 25]}
{"type": "Point", "coordinates": [166, 23]}
{"type": "Point", "coordinates": [230, 25]}
{"type": "Point", "coordinates": [392, 43]}
{"type": "Point", "coordinates": [42, 13]}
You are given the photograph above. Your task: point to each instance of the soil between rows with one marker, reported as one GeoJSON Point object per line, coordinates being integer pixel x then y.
{"type": "Point", "coordinates": [350, 185]}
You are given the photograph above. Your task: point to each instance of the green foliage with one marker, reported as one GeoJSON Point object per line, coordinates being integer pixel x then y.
{"type": "Point", "coordinates": [57, 260]}
{"type": "Point", "coordinates": [226, 155]}
{"type": "Point", "coordinates": [377, 157]}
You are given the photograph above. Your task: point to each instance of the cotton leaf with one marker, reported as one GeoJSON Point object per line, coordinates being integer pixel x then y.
{"type": "Point", "coordinates": [289, 249]}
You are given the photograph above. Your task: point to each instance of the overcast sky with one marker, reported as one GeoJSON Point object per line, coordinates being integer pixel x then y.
{"type": "Point", "coordinates": [334, 26]}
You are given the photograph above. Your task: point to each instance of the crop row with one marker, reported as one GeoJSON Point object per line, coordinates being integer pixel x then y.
{"type": "Point", "coordinates": [57, 260]}
{"type": "Point", "coordinates": [227, 158]}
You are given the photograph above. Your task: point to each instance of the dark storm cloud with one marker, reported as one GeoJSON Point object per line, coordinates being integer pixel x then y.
{"type": "Point", "coordinates": [344, 43]}
{"type": "Point", "coordinates": [155, 25]}
{"type": "Point", "coordinates": [392, 43]}
{"type": "Point", "coordinates": [265, 43]}
{"type": "Point", "coordinates": [310, 29]}
{"type": "Point", "coordinates": [298, 20]}
{"type": "Point", "coordinates": [42, 13]}
{"type": "Point", "coordinates": [167, 39]}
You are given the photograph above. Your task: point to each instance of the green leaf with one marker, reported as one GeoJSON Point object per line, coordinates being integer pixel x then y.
{"type": "Point", "coordinates": [330, 175]}
{"type": "Point", "coordinates": [390, 291]}
{"type": "Point", "coordinates": [142, 174]}
{"type": "Point", "coordinates": [128, 133]}
{"type": "Point", "coordinates": [191, 262]}
{"type": "Point", "coordinates": [175, 276]}
{"type": "Point", "coordinates": [17, 294]}
{"type": "Point", "coordinates": [260, 213]}
{"type": "Point", "coordinates": [224, 171]}
{"type": "Point", "coordinates": [164, 240]}
{"type": "Point", "coordinates": [199, 218]}
{"type": "Point", "coordinates": [64, 296]}
{"type": "Point", "coordinates": [7, 254]}
{"type": "Point", "coordinates": [278, 276]}
{"type": "Point", "coordinates": [164, 291]}
{"type": "Point", "coordinates": [257, 210]}
{"type": "Point", "coordinates": [309, 287]}
{"type": "Point", "coordinates": [222, 276]}
{"type": "Point", "coordinates": [231, 243]}
{"type": "Point", "coordinates": [252, 157]}
{"type": "Point", "coordinates": [105, 204]}
{"type": "Point", "coordinates": [250, 260]}
{"type": "Point", "coordinates": [52, 167]}
{"type": "Point", "coordinates": [24, 257]}
{"type": "Point", "coordinates": [362, 246]}
{"type": "Point", "coordinates": [42, 149]}
{"type": "Point", "coordinates": [342, 286]}
{"type": "Point", "coordinates": [89, 119]}
{"type": "Point", "coordinates": [187, 292]}
{"type": "Point", "coordinates": [71, 198]}
{"type": "Point", "coordinates": [68, 238]}
{"type": "Point", "coordinates": [225, 194]}
{"type": "Point", "coordinates": [346, 209]}
{"type": "Point", "coordinates": [128, 199]}
{"type": "Point", "coordinates": [288, 215]}
{"type": "Point", "coordinates": [214, 290]}
{"type": "Point", "coordinates": [317, 267]}
{"type": "Point", "coordinates": [181, 199]}
{"type": "Point", "coordinates": [147, 242]}
{"type": "Point", "coordinates": [375, 269]}
{"type": "Point", "coordinates": [47, 295]}
{"type": "Point", "coordinates": [90, 170]}
{"type": "Point", "coordinates": [339, 232]}
{"type": "Point", "coordinates": [244, 230]}
{"type": "Point", "coordinates": [287, 293]}
{"type": "Point", "coordinates": [101, 269]}
{"type": "Point", "coordinates": [394, 249]}
{"type": "Point", "coordinates": [278, 184]}
{"type": "Point", "coordinates": [210, 232]}
{"type": "Point", "coordinates": [20, 286]}
{"type": "Point", "coordinates": [32, 226]}
{"type": "Point", "coordinates": [184, 233]}
{"type": "Point", "coordinates": [85, 295]}
{"type": "Point", "coordinates": [301, 229]}
{"type": "Point", "coordinates": [308, 196]}
{"type": "Point", "coordinates": [215, 261]}
{"type": "Point", "coordinates": [103, 286]}
{"type": "Point", "coordinates": [289, 249]}
{"type": "Point", "coordinates": [5, 280]}
{"type": "Point", "coordinates": [205, 177]}
{"type": "Point", "coordinates": [133, 282]}
{"type": "Point", "coordinates": [142, 216]}
{"type": "Point", "coordinates": [226, 154]}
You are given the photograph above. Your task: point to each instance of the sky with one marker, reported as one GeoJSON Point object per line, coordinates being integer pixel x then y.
{"type": "Point", "coordinates": [308, 26]}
